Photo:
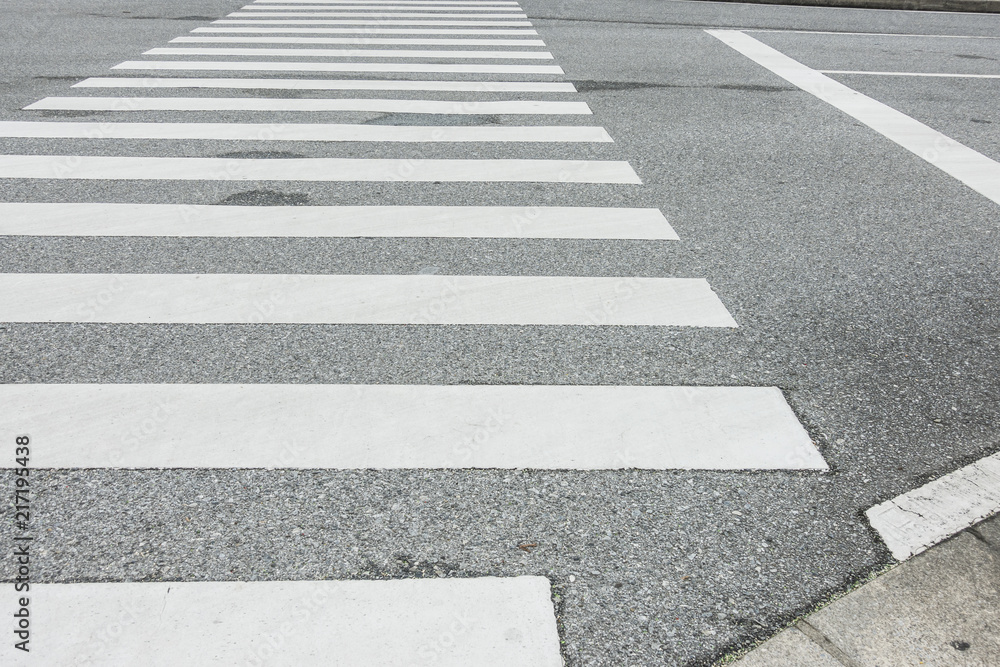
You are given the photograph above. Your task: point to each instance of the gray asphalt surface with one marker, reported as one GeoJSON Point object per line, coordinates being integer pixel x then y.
{"type": "Point", "coordinates": [864, 281]}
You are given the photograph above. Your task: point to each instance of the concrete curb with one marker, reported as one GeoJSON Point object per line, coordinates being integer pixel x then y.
{"type": "Point", "coordinates": [980, 6]}
{"type": "Point", "coordinates": [941, 607]}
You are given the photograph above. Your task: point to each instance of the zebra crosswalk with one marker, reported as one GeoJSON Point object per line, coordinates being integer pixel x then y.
{"type": "Point", "coordinates": [480, 620]}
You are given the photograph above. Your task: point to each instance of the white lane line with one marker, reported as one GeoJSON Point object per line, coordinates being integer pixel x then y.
{"type": "Point", "coordinates": [493, 622]}
{"type": "Point", "coordinates": [931, 74]}
{"type": "Point", "coordinates": [869, 34]}
{"type": "Point", "coordinates": [410, 68]}
{"type": "Point", "coordinates": [462, 3]}
{"type": "Point", "coordinates": [365, 31]}
{"type": "Point", "coordinates": [303, 132]}
{"type": "Point", "coordinates": [347, 53]}
{"type": "Point", "coordinates": [332, 84]}
{"type": "Point", "coordinates": [919, 519]}
{"type": "Point", "coordinates": [323, 426]}
{"type": "Point", "coordinates": [359, 41]}
{"type": "Point", "coordinates": [92, 167]}
{"type": "Point", "coordinates": [459, 107]}
{"type": "Point", "coordinates": [424, 10]}
{"type": "Point", "coordinates": [463, 11]}
{"type": "Point", "coordinates": [375, 23]}
{"type": "Point", "coordinates": [361, 299]}
{"type": "Point", "coordinates": [379, 15]}
{"type": "Point", "coordinates": [382, 3]}
{"type": "Point", "coordinates": [381, 8]}
{"type": "Point", "coordinates": [533, 222]}
{"type": "Point", "coordinates": [968, 166]}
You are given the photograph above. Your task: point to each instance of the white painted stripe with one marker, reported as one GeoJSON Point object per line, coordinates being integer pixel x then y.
{"type": "Point", "coordinates": [517, 107]}
{"type": "Point", "coordinates": [378, 15]}
{"type": "Point", "coordinates": [460, 107]}
{"type": "Point", "coordinates": [535, 222]}
{"type": "Point", "coordinates": [919, 519]}
{"type": "Point", "coordinates": [464, 11]}
{"type": "Point", "coordinates": [332, 84]}
{"type": "Point", "coordinates": [366, 31]}
{"type": "Point", "coordinates": [322, 426]}
{"type": "Point", "coordinates": [359, 41]}
{"type": "Point", "coordinates": [303, 132]}
{"type": "Point", "coordinates": [469, 24]}
{"type": "Point", "coordinates": [381, 8]}
{"type": "Point", "coordinates": [91, 167]}
{"type": "Point", "coordinates": [930, 74]}
{"type": "Point", "coordinates": [493, 622]}
{"type": "Point", "coordinates": [462, 3]}
{"type": "Point", "coordinates": [406, 3]}
{"type": "Point", "coordinates": [362, 299]}
{"type": "Point", "coordinates": [968, 166]}
{"type": "Point", "coordinates": [411, 68]}
{"type": "Point", "coordinates": [347, 53]}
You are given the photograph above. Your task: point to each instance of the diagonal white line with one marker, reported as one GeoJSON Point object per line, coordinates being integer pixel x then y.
{"type": "Point", "coordinates": [968, 166]}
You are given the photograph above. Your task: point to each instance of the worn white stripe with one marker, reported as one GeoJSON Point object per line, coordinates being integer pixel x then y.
{"type": "Point", "coordinates": [381, 8]}
{"type": "Point", "coordinates": [406, 3]}
{"type": "Point", "coordinates": [361, 299]}
{"type": "Point", "coordinates": [462, 3]}
{"type": "Point", "coordinates": [422, 6]}
{"type": "Point", "coordinates": [322, 426]}
{"type": "Point", "coordinates": [359, 41]}
{"type": "Point", "coordinates": [919, 519]}
{"type": "Point", "coordinates": [930, 74]}
{"type": "Point", "coordinates": [536, 222]}
{"type": "Point", "coordinates": [373, 22]}
{"type": "Point", "coordinates": [516, 107]}
{"type": "Point", "coordinates": [968, 166]}
{"type": "Point", "coordinates": [366, 31]}
{"type": "Point", "coordinates": [377, 15]}
{"type": "Point", "coordinates": [315, 169]}
{"type": "Point", "coordinates": [332, 84]}
{"type": "Point", "coordinates": [347, 53]}
{"type": "Point", "coordinates": [410, 68]}
{"type": "Point", "coordinates": [493, 622]}
{"type": "Point", "coordinates": [303, 132]}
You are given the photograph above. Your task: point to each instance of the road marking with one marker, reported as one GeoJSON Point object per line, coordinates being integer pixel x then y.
{"type": "Point", "coordinates": [367, 31]}
{"type": "Point", "coordinates": [330, 426]}
{"type": "Point", "coordinates": [380, 15]}
{"type": "Point", "coordinates": [303, 132]}
{"type": "Point", "coordinates": [346, 53]}
{"type": "Point", "coordinates": [469, 24]}
{"type": "Point", "coordinates": [919, 519]}
{"type": "Point", "coordinates": [351, 9]}
{"type": "Point", "coordinates": [955, 76]}
{"type": "Point", "coordinates": [331, 84]}
{"type": "Point", "coordinates": [360, 41]}
{"type": "Point", "coordinates": [421, 68]}
{"type": "Point", "coordinates": [359, 299]}
{"type": "Point", "coordinates": [538, 222]}
{"type": "Point", "coordinates": [100, 167]}
{"type": "Point", "coordinates": [462, 3]}
{"type": "Point", "coordinates": [968, 166]}
{"type": "Point", "coordinates": [382, 8]}
{"type": "Point", "coordinates": [517, 107]}
{"type": "Point", "coordinates": [407, 3]}
{"type": "Point", "coordinates": [486, 621]}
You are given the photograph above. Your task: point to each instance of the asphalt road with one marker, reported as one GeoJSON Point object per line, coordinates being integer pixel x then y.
{"type": "Point", "coordinates": [864, 281]}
